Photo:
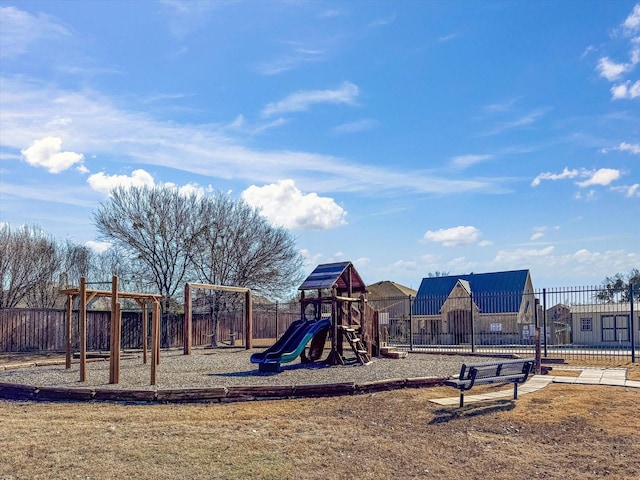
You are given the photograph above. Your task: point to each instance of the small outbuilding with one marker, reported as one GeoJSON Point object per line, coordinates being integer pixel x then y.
{"type": "Point", "coordinates": [496, 307]}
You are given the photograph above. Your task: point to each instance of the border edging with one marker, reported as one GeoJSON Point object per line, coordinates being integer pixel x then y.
{"type": "Point", "coordinates": [11, 391]}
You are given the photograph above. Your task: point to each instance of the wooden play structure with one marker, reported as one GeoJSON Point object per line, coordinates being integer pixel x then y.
{"type": "Point", "coordinates": [188, 312]}
{"type": "Point", "coordinates": [85, 295]}
{"type": "Point", "coordinates": [341, 292]}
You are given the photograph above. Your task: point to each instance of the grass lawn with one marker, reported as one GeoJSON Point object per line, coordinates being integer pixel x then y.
{"type": "Point", "coordinates": [560, 432]}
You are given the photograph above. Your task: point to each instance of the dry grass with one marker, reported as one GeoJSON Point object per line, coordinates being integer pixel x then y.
{"type": "Point", "coordinates": [562, 431]}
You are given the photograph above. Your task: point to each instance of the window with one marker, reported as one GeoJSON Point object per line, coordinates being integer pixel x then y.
{"type": "Point", "coordinates": [586, 324]}
{"type": "Point", "coordinates": [615, 328]}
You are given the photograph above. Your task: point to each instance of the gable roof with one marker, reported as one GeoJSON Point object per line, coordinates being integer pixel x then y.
{"type": "Point", "coordinates": [496, 292]}
{"type": "Point", "coordinates": [342, 275]}
{"type": "Point", "coordinates": [387, 288]}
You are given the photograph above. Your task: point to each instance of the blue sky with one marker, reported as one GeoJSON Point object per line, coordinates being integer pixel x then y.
{"type": "Point", "coordinates": [405, 136]}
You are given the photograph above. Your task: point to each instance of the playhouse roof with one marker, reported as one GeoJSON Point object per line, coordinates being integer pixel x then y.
{"type": "Point", "coordinates": [342, 275]}
{"type": "Point", "coordinates": [496, 292]}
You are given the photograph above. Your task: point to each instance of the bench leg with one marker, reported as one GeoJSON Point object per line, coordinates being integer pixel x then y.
{"type": "Point", "coordinates": [461, 398]}
{"type": "Point", "coordinates": [515, 391]}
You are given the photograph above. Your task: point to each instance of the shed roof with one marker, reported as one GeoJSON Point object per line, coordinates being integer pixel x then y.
{"type": "Point", "coordinates": [495, 292]}
{"type": "Point", "coordinates": [342, 275]}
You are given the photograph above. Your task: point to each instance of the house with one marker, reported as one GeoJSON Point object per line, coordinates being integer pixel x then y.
{"type": "Point", "coordinates": [559, 325]}
{"type": "Point", "coordinates": [604, 324]}
{"type": "Point", "coordinates": [497, 308]}
{"type": "Point", "coordinates": [393, 304]}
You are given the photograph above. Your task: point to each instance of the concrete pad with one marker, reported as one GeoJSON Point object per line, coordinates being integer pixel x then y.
{"type": "Point", "coordinates": [445, 401]}
{"type": "Point", "coordinates": [632, 384]}
{"type": "Point", "coordinates": [564, 379]}
{"type": "Point", "coordinates": [613, 382]}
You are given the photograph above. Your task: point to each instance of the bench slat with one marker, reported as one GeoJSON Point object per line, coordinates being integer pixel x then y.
{"type": "Point", "coordinates": [507, 371]}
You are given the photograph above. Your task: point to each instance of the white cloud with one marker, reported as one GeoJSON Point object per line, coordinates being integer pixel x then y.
{"type": "Point", "coordinates": [537, 236]}
{"type": "Point", "coordinates": [285, 205]}
{"type": "Point", "coordinates": [447, 38]}
{"type": "Point", "coordinates": [612, 70]}
{"type": "Point", "coordinates": [566, 173]}
{"type": "Point", "coordinates": [104, 183]}
{"type": "Point", "coordinates": [47, 153]}
{"type": "Point", "coordinates": [301, 101]}
{"type": "Point", "coordinates": [523, 121]}
{"type": "Point", "coordinates": [632, 23]}
{"type": "Point", "coordinates": [19, 30]}
{"type": "Point", "coordinates": [590, 264]}
{"type": "Point", "coordinates": [588, 196]}
{"type": "Point", "coordinates": [521, 257]}
{"type": "Point", "coordinates": [626, 90]}
{"type": "Point", "coordinates": [98, 247]}
{"type": "Point", "coordinates": [603, 176]}
{"type": "Point", "coordinates": [629, 191]}
{"type": "Point", "coordinates": [190, 188]}
{"type": "Point", "coordinates": [630, 147]}
{"type": "Point", "coordinates": [453, 237]}
{"type": "Point", "coordinates": [186, 17]}
{"type": "Point", "coordinates": [291, 60]}
{"type": "Point", "coordinates": [464, 161]}
{"type": "Point", "coordinates": [362, 262]}
{"type": "Point", "coordinates": [99, 127]}
{"type": "Point", "coordinates": [625, 147]}
{"type": "Point", "coordinates": [355, 127]}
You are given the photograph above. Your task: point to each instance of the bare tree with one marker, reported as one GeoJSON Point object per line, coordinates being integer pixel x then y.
{"type": "Point", "coordinates": [239, 247]}
{"type": "Point", "coordinates": [616, 288]}
{"type": "Point", "coordinates": [158, 226]}
{"type": "Point", "coordinates": [29, 260]}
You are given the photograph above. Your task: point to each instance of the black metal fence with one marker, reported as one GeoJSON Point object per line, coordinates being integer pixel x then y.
{"type": "Point", "coordinates": [581, 323]}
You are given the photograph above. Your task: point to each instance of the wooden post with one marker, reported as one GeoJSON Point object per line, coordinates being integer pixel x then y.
{"type": "Point", "coordinates": [68, 331]}
{"type": "Point", "coordinates": [158, 332]}
{"type": "Point", "coordinates": [82, 312]}
{"type": "Point", "coordinates": [188, 323]}
{"type": "Point", "coordinates": [145, 329]}
{"type": "Point", "coordinates": [154, 337]}
{"type": "Point", "coordinates": [114, 345]}
{"type": "Point", "coordinates": [248, 322]}
{"type": "Point", "coordinates": [116, 358]}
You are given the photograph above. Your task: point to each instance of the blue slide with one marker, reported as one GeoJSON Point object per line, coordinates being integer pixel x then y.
{"type": "Point", "coordinates": [290, 345]}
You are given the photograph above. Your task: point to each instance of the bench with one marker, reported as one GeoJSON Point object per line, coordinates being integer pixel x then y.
{"type": "Point", "coordinates": [501, 371]}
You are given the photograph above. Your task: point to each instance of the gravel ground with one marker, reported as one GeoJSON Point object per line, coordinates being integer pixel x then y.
{"type": "Point", "coordinates": [230, 367]}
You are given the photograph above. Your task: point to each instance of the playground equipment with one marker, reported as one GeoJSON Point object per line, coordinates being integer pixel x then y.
{"type": "Point", "coordinates": [85, 295]}
{"type": "Point", "coordinates": [339, 309]}
{"type": "Point", "coordinates": [188, 310]}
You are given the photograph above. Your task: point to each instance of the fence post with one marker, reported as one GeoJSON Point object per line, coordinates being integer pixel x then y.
{"type": "Point", "coordinates": [277, 319]}
{"type": "Point", "coordinates": [544, 319]}
{"type": "Point", "coordinates": [410, 324]}
{"type": "Point", "coordinates": [473, 330]}
{"type": "Point", "coordinates": [538, 362]}
{"type": "Point", "coordinates": [633, 327]}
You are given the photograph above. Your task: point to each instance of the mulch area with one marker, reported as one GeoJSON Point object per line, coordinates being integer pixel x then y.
{"type": "Point", "coordinates": [212, 374]}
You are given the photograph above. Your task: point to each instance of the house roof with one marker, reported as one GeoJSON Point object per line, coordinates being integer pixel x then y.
{"type": "Point", "coordinates": [342, 275]}
{"type": "Point", "coordinates": [496, 292]}
{"type": "Point", "coordinates": [387, 288]}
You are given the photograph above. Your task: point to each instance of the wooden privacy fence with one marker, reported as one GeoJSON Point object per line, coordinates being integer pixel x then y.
{"type": "Point", "coordinates": [43, 330]}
